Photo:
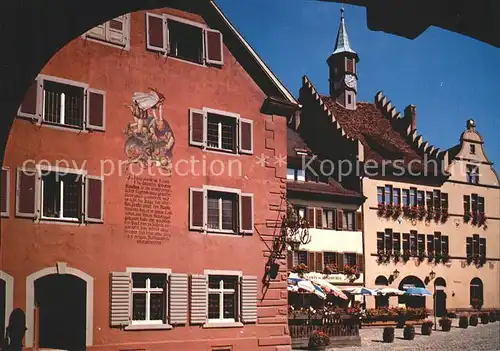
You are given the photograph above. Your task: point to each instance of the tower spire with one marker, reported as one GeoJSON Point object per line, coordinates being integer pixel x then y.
{"type": "Point", "coordinates": [342, 42]}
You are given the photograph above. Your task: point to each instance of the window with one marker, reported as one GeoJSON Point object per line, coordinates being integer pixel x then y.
{"type": "Point", "coordinates": [396, 194]}
{"type": "Point", "coordinates": [472, 174]}
{"type": "Point", "coordinates": [388, 194]}
{"type": "Point", "coordinates": [115, 32]}
{"type": "Point", "coordinates": [301, 212]}
{"type": "Point", "coordinates": [222, 301]}
{"type": "Point", "coordinates": [428, 199]}
{"type": "Point", "coordinates": [300, 258]}
{"type": "Point", "coordinates": [476, 245]}
{"type": "Point", "coordinates": [466, 203]}
{"type": "Point", "coordinates": [290, 174]}
{"type": "Point", "coordinates": [4, 194]}
{"type": "Point", "coordinates": [430, 243]}
{"type": "Point", "coordinates": [329, 258]}
{"type": "Point", "coordinates": [350, 259]}
{"type": "Point", "coordinates": [413, 197]}
{"type": "Point", "coordinates": [349, 65]}
{"type": "Point", "coordinates": [420, 198]}
{"type": "Point", "coordinates": [348, 220]}
{"type": "Point", "coordinates": [148, 298]}
{"type": "Point", "coordinates": [221, 132]}
{"type": "Point", "coordinates": [388, 240]}
{"type": "Point", "coordinates": [396, 243]}
{"type": "Point", "coordinates": [482, 247]}
{"type": "Point", "coordinates": [406, 197]}
{"type": "Point", "coordinates": [380, 241]}
{"type": "Point", "coordinates": [328, 219]}
{"type": "Point", "coordinates": [61, 196]}
{"type": "Point", "coordinates": [474, 202]}
{"type": "Point", "coordinates": [300, 175]}
{"type": "Point", "coordinates": [380, 195]}
{"type": "Point", "coordinates": [436, 194]}
{"type": "Point", "coordinates": [472, 149]}
{"type": "Point", "coordinates": [445, 248]}
{"type": "Point", "coordinates": [444, 201]}
{"type": "Point", "coordinates": [476, 292]}
{"type": "Point", "coordinates": [437, 242]}
{"type": "Point", "coordinates": [480, 204]}
{"type": "Point", "coordinates": [421, 242]}
{"type": "Point", "coordinates": [63, 104]}
{"type": "Point", "coordinates": [413, 242]}
{"type": "Point", "coordinates": [184, 39]}
{"type": "Point", "coordinates": [406, 241]}
{"type": "Point", "coordinates": [349, 99]}
{"type": "Point", "coordinates": [221, 210]}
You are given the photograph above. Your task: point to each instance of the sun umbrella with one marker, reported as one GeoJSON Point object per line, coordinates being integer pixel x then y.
{"type": "Point", "coordinates": [418, 292]}
{"type": "Point", "coordinates": [362, 291]}
{"type": "Point", "coordinates": [293, 288]}
{"type": "Point", "coordinates": [319, 292]}
{"type": "Point", "coordinates": [306, 285]}
{"type": "Point", "coordinates": [293, 280]}
{"type": "Point", "coordinates": [389, 291]}
{"type": "Point", "coordinates": [330, 288]}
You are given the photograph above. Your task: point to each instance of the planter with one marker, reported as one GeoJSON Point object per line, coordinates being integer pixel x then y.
{"type": "Point", "coordinates": [445, 324]}
{"type": "Point", "coordinates": [388, 335]}
{"type": "Point", "coordinates": [401, 322]}
{"type": "Point", "coordinates": [318, 340]}
{"type": "Point", "coordinates": [473, 321]}
{"type": "Point", "coordinates": [463, 322]}
{"type": "Point", "coordinates": [485, 318]}
{"type": "Point", "coordinates": [409, 332]}
{"type": "Point", "coordinates": [492, 317]}
{"type": "Point", "coordinates": [427, 328]}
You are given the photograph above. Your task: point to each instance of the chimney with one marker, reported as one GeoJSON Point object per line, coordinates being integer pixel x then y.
{"type": "Point", "coordinates": [411, 116]}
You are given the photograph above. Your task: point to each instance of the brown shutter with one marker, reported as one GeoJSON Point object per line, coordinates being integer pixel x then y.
{"type": "Point", "coordinates": [214, 47]}
{"type": "Point", "coordinates": [4, 192]}
{"type": "Point", "coordinates": [360, 260]}
{"type": "Point", "coordinates": [246, 213]}
{"type": "Point", "coordinates": [246, 136]}
{"type": "Point", "coordinates": [29, 106]}
{"type": "Point", "coordinates": [120, 299]}
{"type": "Point", "coordinates": [196, 209]}
{"type": "Point", "coordinates": [340, 219]}
{"type": "Point", "coordinates": [340, 261]}
{"type": "Point", "coordinates": [155, 27]}
{"type": "Point", "coordinates": [359, 221]}
{"type": "Point", "coordinates": [26, 192]}
{"type": "Point", "coordinates": [94, 188]}
{"type": "Point", "coordinates": [289, 260]}
{"type": "Point", "coordinates": [196, 127]}
{"type": "Point", "coordinates": [310, 217]}
{"type": "Point", "coordinates": [96, 109]}
{"type": "Point", "coordinates": [319, 218]}
{"type": "Point", "coordinates": [319, 261]}
{"type": "Point", "coordinates": [310, 261]}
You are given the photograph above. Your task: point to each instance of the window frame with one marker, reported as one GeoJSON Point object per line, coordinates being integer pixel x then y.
{"type": "Point", "coordinates": [345, 222]}
{"type": "Point", "coordinates": [105, 41]}
{"type": "Point", "coordinates": [236, 116]}
{"type": "Point", "coordinates": [61, 217]}
{"type": "Point", "coordinates": [6, 213]}
{"type": "Point", "coordinates": [380, 195]}
{"type": "Point", "coordinates": [352, 254]}
{"type": "Point", "coordinates": [324, 218]}
{"type": "Point", "coordinates": [227, 321]}
{"type": "Point", "coordinates": [472, 174]}
{"type": "Point", "coordinates": [472, 149]}
{"type": "Point", "coordinates": [237, 193]}
{"type": "Point", "coordinates": [203, 27]}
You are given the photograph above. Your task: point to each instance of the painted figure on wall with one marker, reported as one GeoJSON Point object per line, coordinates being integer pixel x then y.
{"type": "Point", "coordinates": [150, 139]}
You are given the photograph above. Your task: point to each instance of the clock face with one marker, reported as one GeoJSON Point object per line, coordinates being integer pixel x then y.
{"type": "Point", "coordinates": [350, 81]}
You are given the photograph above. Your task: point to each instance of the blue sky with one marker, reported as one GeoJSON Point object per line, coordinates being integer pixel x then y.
{"type": "Point", "coordinates": [449, 77]}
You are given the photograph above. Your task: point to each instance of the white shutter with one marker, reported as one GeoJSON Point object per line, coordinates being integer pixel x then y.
{"type": "Point", "coordinates": [32, 104]}
{"type": "Point", "coordinates": [98, 32]}
{"type": "Point", "coordinates": [199, 299]}
{"type": "Point", "coordinates": [249, 299]}
{"type": "Point", "coordinates": [178, 298]}
{"type": "Point", "coordinates": [5, 190]}
{"type": "Point", "coordinates": [156, 26]}
{"type": "Point", "coordinates": [117, 30]}
{"type": "Point", "coordinates": [121, 299]}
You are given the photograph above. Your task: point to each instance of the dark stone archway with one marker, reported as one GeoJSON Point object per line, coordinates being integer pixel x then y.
{"type": "Point", "coordinates": [411, 301]}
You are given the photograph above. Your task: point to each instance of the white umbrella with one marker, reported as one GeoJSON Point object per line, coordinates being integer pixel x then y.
{"type": "Point", "coordinates": [389, 291]}
{"type": "Point", "coordinates": [328, 287]}
{"type": "Point", "coordinates": [361, 291]}
{"type": "Point", "coordinates": [306, 285]}
{"type": "Point", "coordinates": [293, 288]}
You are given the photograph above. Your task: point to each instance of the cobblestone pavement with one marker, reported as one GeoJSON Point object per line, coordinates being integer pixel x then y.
{"type": "Point", "coordinates": [480, 338]}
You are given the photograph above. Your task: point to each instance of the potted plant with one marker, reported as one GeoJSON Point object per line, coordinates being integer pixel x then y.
{"type": "Point", "coordinates": [430, 214]}
{"type": "Point", "coordinates": [476, 303]}
{"type": "Point", "coordinates": [380, 256]}
{"type": "Point", "coordinates": [330, 269]}
{"type": "Point", "coordinates": [396, 256]}
{"type": "Point", "coordinates": [413, 212]}
{"type": "Point", "coordinates": [481, 220]}
{"type": "Point", "coordinates": [421, 213]}
{"type": "Point", "coordinates": [463, 322]}
{"type": "Point", "coordinates": [409, 332]}
{"type": "Point", "coordinates": [427, 327]}
{"type": "Point", "coordinates": [475, 218]}
{"type": "Point", "coordinates": [445, 257]}
{"type": "Point", "coordinates": [430, 256]}
{"type": "Point", "coordinates": [318, 340]}
{"type": "Point", "coordinates": [389, 209]}
{"type": "Point", "coordinates": [438, 257]}
{"type": "Point", "coordinates": [380, 210]}
{"type": "Point", "coordinates": [437, 214]}
{"type": "Point", "coordinates": [492, 317]}
{"type": "Point", "coordinates": [485, 318]}
{"type": "Point", "coordinates": [406, 255]}
{"type": "Point", "coordinates": [473, 321]}
{"type": "Point", "coordinates": [445, 324]}
{"type": "Point", "coordinates": [396, 212]}
{"type": "Point", "coordinates": [444, 216]}
{"type": "Point", "coordinates": [388, 335]}
{"type": "Point", "coordinates": [467, 216]}
{"type": "Point", "coordinates": [401, 320]}
{"type": "Point", "coordinates": [300, 269]}
{"type": "Point", "coordinates": [421, 256]}
{"type": "Point", "coordinates": [406, 211]}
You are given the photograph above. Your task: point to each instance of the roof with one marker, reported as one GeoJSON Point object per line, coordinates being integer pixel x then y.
{"type": "Point", "coordinates": [264, 68]}
{"type": "Point", "coordinates": [295, 143]}
{"type": "Point", "coordinates": [342, 42]}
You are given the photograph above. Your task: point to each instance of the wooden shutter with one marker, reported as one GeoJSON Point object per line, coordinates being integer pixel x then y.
{"type": "Point", "coordinates": [214, 53]}
{"type": "Point", "coordinates": [117, 30]}
{"type": "Point", "coordinates": [178, 298]}
{"type": "Point", "coordinates": [311, 264]}
{"type": "Point", "coordinates": [199, 299]}
{"type": "Point", "coordinates": [310, 217]}
{"type": "Point", "coordinates": [94, 193]}
{"type": "Point", "coordinates": [340, 261]}
{"type": "Point", "coordinates": [32, 101]}
{"type": "Point", "coordinates": [359, 221]}
{"type": "Point", "coordinates": [360, 260]}
{"type": "Point", "coordinates": [26, 192]}
{"type": "Point", "coordinates": [468, 246]}
{"type": "Point", "coordinates": [96, 109]}
{"type": "Point", "coordinates": [120, 299]}
{"type": "Point", "coordinates": [155, 32]}
{"type": "Point", "coordinates": [197, 127]}
{"type": "Point", "coordinates": [4, 192]}
{"type": "Point", "coordinates": [196, 209]}
{"type": "Point", "coordinates": [289, 259]}
{"type": "Point", "coordinates": [246, 213]}
{"type": "Point", "coordinates": [319, 261]}
{"type": "Point", "coordinates": [245, 136]}
{"type": "Point", "coordinates": [249, 299]}
{"type": "Point", "coordinates": [319, 218]}
{"type": "Point", "coordinates": [340, 220]}
{"type": "Point", "coordinates": [98, 32]}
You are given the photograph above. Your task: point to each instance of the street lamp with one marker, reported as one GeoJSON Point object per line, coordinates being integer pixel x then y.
{"type": "Point", "coordinates": [395, 274]}
{"type": "Point", "coordinates": [432, 274]}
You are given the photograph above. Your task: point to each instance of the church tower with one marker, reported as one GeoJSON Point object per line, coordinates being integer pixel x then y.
{"type": "Point", "coordinates": [342, 63]}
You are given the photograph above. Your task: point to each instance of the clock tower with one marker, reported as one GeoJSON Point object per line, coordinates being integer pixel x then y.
{"type": "Point", "coordinates": [342, 63]}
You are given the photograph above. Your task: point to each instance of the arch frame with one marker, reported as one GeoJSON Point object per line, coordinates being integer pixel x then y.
{"type": "Point", "coordinates": [386, 281]}
{"type": "Point", "coordinates": [60, 268]}
{"type": "Point", "coordinates": [9, 295]}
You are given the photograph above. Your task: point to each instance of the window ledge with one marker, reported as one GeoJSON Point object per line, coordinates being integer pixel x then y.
{"type": "Point", "coordinates": [59, 221]}
{"type": "Point", "coordinates": [223, 325]}
{"type": "Point", "coordinates": [149, 327]}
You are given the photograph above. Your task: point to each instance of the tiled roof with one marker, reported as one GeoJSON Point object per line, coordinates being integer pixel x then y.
{"type": "Point", "coordinates": [295, 143]}
{"type": "Point", "coordinates": [333, 188]}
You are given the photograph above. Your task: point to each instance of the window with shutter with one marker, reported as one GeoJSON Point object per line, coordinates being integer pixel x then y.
{"type": "Point", "coordinates": [319, 261]}
{"type": "Point", "coordinates": [468, 246]}
{"type": "Point", "coordinates": [214, 53]}
{"type": "Point", "coordinates": [340, 220]}
{"type": "Point", "coordinates": [319, 218]}
{"type": "Point", "coordinates": [340, 261]}
{"type": "Point", "coordinates": [249, 299]}
{"type": "Point", "coordinates": [121, 299]}
{"type": "Point", "coordinates": [359, 221]}
{"type": "Point", "coordinates": [61, 196]}
{"type": "Point", "coordinates": [96, 109]}
{"type": "Point", "coordinates": [246, 213]}
{"type": "Point", "coordinates": [31, 104]}
{"type": "Point", "coordinates": [185, 41]}
{"type": "Point", "coordinates": [311, 263]}
{"type": "Point", "coordinates": [149, 298]}
{"type": "Point", "coordinates": [5, 192]}
{"type": "Point", "coordinates": [178, 298]}
{"type": "Point", "coordinates": [115, 32]}
{"type": "Point", "coordinates": [196, 209]}
{"type": "Point", "coordinates": [199, 299]}
{"type": "Point", "coordinates": [197, 127]}
{"type": "Point", "coordinates": [156, 32]}
{"type": "Point", "coordinates": [26, 192]}
{"type": "Point", "coordinates": [310, 217]}
{"type": "Point", "coordinates": [360, 259]}
{"type": "Point", "coordinates": [245, 136]}
{"type": "Point", "coordinates": [94, 199]}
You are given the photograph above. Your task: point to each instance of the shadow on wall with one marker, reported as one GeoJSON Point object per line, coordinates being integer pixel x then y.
{"type": "Point", "coordinates": [15, 331]}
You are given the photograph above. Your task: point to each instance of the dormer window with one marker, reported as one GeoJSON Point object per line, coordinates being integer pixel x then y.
{"type": "Point", "coordinates": [472, 149]}
{"type": "Point", "coordinates": [295, 174]}
{"type": "Point", "coordinates": [472, 174]}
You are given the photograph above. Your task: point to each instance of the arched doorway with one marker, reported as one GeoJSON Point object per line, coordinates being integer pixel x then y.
{"type": "Point", "coordinates": [6, 302]}
{"type": "Point", "coordinates": [61, 302]}
{"type": "Point", "coordinates": [440, 296]}
{"type": "Point", "coordinates": [411, 301]}
{"type": "Point", "coordinates": [476, 292]}
{"type": "Point", "coordinates": [381, 300]}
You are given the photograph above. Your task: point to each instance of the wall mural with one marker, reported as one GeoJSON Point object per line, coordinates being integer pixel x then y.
{"type": "Point", "coordinates": [150, 139]}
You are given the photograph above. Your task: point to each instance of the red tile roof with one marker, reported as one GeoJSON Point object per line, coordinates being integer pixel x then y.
{"type": "Point", "coordinates": [295, 143]}
{"type": "Point", "coordinates": [333, 188]}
